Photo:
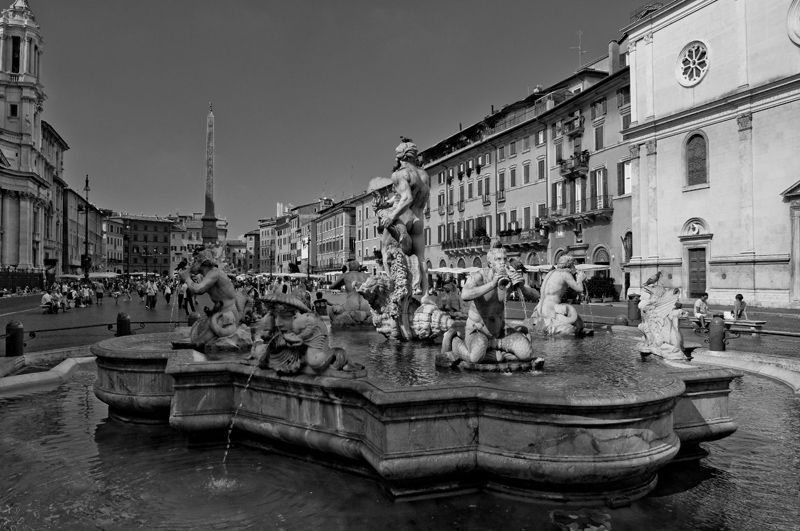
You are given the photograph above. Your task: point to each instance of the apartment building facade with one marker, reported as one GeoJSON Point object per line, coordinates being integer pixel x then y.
{"type": "Point", "coordinates": [267, 245]}
{"type": "Point", "coordinates": [538, 176]}
{"type": "Point", "coordinates": [336, 241]}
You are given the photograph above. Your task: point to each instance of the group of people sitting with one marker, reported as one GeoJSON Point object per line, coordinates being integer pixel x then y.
{"type": "Point", "coordinates": [54, 300]}
{"type": "Point", "coordinates": [702, 312]}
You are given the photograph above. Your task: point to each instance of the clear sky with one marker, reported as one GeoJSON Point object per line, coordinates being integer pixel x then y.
{"type": "Point", "coordinates": [310, 97]}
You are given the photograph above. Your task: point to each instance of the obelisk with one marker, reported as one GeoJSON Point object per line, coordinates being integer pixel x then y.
{"type": "Point", "coordinates": [210, 234]}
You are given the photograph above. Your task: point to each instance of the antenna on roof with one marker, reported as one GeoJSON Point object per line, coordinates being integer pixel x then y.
{"type": "Point", "coordinates": [580, 49]}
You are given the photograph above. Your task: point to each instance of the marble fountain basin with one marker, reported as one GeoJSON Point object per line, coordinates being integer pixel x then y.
{"type": "Point", "coordinates": [579, 437]}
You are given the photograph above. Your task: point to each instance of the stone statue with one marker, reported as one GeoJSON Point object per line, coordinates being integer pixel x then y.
{"type": "Point", "coordinates": [402, 214]}
{"type": "Point", "coordinates": [486, 338]}
{"type": "Point", "coordinates": [294, 339]}
{"type": "Point", "coordinates": [220, 329]}
{"type": "Point", "coordinates": [551, 316]}
{"type": "Point", "coordinates": [661, 312]}
{"type": "Point", "coordinates": [402, 247]}
{"type": "Point", "coordinates": [355, 311]}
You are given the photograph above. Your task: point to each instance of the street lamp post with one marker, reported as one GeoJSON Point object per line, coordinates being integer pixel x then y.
{"type": "Point", "coordinates": [145, 255]}
{"type": "Point", "coordinates": [128, 227]}
{"type": "Point", "coordinates": [86, 260]}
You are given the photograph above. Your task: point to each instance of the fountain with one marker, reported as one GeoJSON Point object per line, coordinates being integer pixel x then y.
{"type": "Point", "coordinates": [595, 426]}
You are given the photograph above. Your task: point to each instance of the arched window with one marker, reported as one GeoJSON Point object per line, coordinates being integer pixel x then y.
{"type": "Point", "coordinates": [442, 263]}
{"type": "Point", "coordinates": [461, 263]}
{"type": "Point", "coordinates": [696, 160]}
{"type": "Point", "coordinates": [476, 262]}
{"type": "Point", "coordinates": [601, 256]}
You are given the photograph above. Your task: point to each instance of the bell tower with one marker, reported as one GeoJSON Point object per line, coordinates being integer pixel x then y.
{"type": "Point", "coordinates": [23, 196]}
{"type": "Point", "coordinates": [22, 93]}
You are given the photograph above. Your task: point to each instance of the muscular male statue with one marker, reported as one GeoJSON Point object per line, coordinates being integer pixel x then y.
{"type": "Point", "coordinates": [485, 332]}
{"type": "Point", "coordinates": [553, 316]}
{"type": "Point", "coordinates": [225, 316]}
{"type": "Point", "coordinates": [411, 185]}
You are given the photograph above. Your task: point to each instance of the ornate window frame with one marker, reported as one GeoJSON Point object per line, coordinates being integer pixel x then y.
{"type": "Point", "coordinates": [685, 160]}
{"type": "Point", "coordinates": [688, 59]}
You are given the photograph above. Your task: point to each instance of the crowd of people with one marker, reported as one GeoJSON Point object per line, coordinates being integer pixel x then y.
{"type": "Point", "coordinates": [63, 296]}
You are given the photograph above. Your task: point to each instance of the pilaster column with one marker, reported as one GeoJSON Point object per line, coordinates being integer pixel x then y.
{"type": "Point", "coordinates": [741, 45]}
{"type": "Point", "coordinates": [25, 231]}
{"type": "Point", "coordinates": [652, 200]}
{"type": "Point", "coordinates": [636, 202]}
{"type": "Point", "coordinates": [745, 123]}
{"type": "Point", "coordinates": [24, 59]}
{"type": "Point", "coordinates": [632, 61]}
{"type": "Point", "coordinates": [794, 216]}
{"type": "Point", "coordinates": [646, 45]}
{"type": "Point", "coordinates": [2, 52]}
{"type": "Point", "coordinates": [10, 228]}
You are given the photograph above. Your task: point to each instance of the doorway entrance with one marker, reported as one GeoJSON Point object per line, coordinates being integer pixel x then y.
{"type": "Point", "coordinates": [697, 271]}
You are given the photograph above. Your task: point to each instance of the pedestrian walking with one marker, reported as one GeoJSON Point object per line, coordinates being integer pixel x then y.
{"type": "Point", "coordinates": [151, 290]}
{"type": "Point", "coordinates": [167, 292]}
{"type": "Point", "coordinates": [99, 290]}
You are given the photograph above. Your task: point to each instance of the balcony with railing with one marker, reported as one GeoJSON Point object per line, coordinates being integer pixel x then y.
{"type": "Point", "coordinates": [427, 212]}
{"type": "Point", "coordinates": [487, 200]}
{"type": "Point", "coordinates": [523, 239]}
{"type": "Point", "coordinates": [449, 210]}
{"type": "Point", "coordinates": [467, 245]}
{"type": "Point", "coordinates": [576, 165]}
{"type": "Point", "coordinates": [441, 210]}
{"type": "Point", "coordinates": [501, 196]}
{"type": "Point", "coordinates": [574, 127]}
{"type": "Point", "coordinates": [461, 206]}
{"type": "Point", "coordinates": [587, 209]}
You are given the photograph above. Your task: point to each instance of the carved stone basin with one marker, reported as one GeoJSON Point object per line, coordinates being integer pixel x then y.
{"type": "Point", "coordinates": [578, 437]}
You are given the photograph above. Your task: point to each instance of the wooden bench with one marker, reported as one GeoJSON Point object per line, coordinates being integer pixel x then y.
{"type": "Point", "coordinates": [47, 309]}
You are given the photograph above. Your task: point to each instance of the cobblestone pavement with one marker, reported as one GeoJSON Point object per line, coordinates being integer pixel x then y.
{"type": "Point", "coordinates": [26, 310]}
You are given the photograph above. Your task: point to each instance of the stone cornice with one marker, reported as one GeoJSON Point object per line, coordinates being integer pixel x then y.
{"type": "Point", "coordinates": [750, 259]}
{"type": "Point", "coordinates": [755, 100]}
{"type": "Point", "coordinates": [663, 17]}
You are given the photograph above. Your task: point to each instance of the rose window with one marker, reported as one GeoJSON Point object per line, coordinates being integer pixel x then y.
{"type": "Point", "coordinates": [692, 64]}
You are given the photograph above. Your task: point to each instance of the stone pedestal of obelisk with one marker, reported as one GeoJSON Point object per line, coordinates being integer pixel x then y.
{"type": "Point", "coordinates": [210, 234]}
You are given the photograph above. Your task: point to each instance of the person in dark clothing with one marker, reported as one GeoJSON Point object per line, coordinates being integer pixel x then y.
{"type": "Point", "coordinates": [321, 304]}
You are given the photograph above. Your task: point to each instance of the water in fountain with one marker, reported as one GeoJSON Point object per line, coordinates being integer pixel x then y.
{"type": "Point", "coordinates": [236, 412]}
{"type": "Point", "coordinates": [68, 467]}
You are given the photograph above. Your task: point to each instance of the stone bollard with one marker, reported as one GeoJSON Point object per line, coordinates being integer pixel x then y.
{"type": "Point", "coordinates": [15, 339]}
{"type": "Point", "coordinates": [634, 314]}
{"type": "Point", "coordinates": [123, 324]}
{"type": "Point", "coordinates": [716, 334]}
{"type": "Point", "coordinates": [621, 320]}
{"type": "Point", "coordinates": [193, 318]}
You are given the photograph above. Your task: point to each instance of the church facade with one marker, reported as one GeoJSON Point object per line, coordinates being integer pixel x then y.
{"type": "Point", "coordinates": [31, 151]}
{"type": "Point", "coordinates": [714, 135]}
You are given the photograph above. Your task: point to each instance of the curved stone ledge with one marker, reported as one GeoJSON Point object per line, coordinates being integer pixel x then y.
{"type": "Point", "coordinates": [559, 442]}
{"type": "Point", "coordinates": [131, 376]}
{"type": "Point", "coordinates": [427, 439]}
{"type": "Point", "coordinates": [53, 377]}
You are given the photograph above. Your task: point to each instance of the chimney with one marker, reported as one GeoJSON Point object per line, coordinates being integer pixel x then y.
{"type": "Point", "coordinates": [613, 57]}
